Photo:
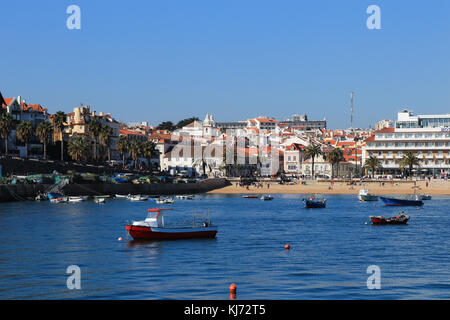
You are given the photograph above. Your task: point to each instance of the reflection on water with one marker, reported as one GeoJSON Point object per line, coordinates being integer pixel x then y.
{"type": "Point", "coordinates": [330, 251]}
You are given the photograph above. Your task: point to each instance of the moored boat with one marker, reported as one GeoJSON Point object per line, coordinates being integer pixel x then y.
{"type": "Point", "coordinates": [52, 195]}
{"type": "Point", "coordinates": [266, 197]}
{"type": "Point", "coordinates": [100, 200]}
{"type": "Point", "coordinates": [250, 196]}
{"type": "Point", "coordinates": [364, 195]}
{"type": "Point", "coordinates": [77, 199]}
{"type": "Point", "coordinates": [59, 200]}
{"type": "Point", "coordinates": [138, 198]}
{"type": "Point", "coordinates": [380, 220]}
{"type": "Point", "coordinates": [314, 203]}
{"type": "Point", "coordinates": [162, 200]}
{"type": "Point", "coordinates": [154, 228]}
{"type": "Point", "coordinates": [401, 202]}
{"type": "Point", "coordinates": [185, 197]}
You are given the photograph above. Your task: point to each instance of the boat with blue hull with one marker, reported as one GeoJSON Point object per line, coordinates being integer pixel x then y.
{"type": "Point", "coordinates": [314, 203]}
{"type": "Point", "coordinates": [401, 202]}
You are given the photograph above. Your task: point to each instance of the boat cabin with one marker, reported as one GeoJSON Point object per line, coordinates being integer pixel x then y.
{"type": "Point", "coordinates": [155, 219]}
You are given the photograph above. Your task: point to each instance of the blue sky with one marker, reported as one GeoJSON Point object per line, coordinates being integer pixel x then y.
{"type": "Point", "coordinates": [168, 60]}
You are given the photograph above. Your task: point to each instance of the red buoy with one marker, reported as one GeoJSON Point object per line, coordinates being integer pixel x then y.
{"type": "Point", "coordinates": [232, 291]}
{"type": "Point", "coordinates": [287, 247]}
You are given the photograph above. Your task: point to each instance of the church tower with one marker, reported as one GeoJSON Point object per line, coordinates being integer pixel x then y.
{"type": "Point", "coordinates": [209, 127]}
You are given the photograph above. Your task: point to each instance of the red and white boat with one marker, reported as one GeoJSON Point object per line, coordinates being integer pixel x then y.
{"type": "Point", "coordinates": [400, 219]}
{"type": "Point", "coordinates": [153, 228]}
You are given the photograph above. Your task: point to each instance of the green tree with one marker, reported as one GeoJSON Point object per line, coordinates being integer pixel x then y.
{"type": "Point", "coordinates": [185, 122]}
{"type": "Point", "coordinates": [148, 151]}
{"type": "Point", "coordinates": [24, 132]}
{"type": "Point", "coordinates": [312, 151]}
{"type": "Point", "coordinates": [105, 135]}
{"type": "Point", "coordinates": [94, 128]}
{"type": "Point", "coordinates": [6, 125]}
{"type": "Point", "coordinates": [44, 131]}
{"type": "Point", "coordinates": [59, 120]}
{"type": "Point", "coordinates": [78, 148]}
{"type": "Point", "coordinates": [122, 145]}
{"type": "Point", "coordinates": [334, 157]}
{"type": "Point", "coordinates": [373, 163]}
{"type": "Point", "coordinates": [135, 150]}
{"type": "Point", "coordinates": [409, 160]}
{"type": "Point", "coordinates": [167, 125]}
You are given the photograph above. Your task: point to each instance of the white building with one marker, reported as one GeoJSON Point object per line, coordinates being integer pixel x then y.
{"type": "Point", "coordinates": [427, 136]}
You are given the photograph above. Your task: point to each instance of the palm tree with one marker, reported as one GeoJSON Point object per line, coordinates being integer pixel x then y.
{"type": "Point", "coordinates": [148, 150]}
{"type": "Point", "coordinates": [122, 146]}
{"type": "Point", "coordinates": [58, 124]}
{"type": "Point", "coordinates": [24, 133]}
{"type": "Point", "coordinates": [44, 131]}
{"type": "Point", "coordinates": [78, 148]}
{"type": "Point", "coordinates": [94, 128]}
{"type": "Point", "coordinates": [409, 160]}
{"type": "Point", "coordinates": [6, 125]}
{"type": "Point", "coordinates": [105, 135]}
{"type": "Point", "coordinates": [334, 157]}
{"type": "Point", "coordinates": [135, 150]}
{"type": "Point", "coordinates": [373, 163]}
{"type": "Point", "coordinates": [312, 151]}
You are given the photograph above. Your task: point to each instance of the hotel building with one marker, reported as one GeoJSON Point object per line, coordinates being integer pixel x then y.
{"type": "Point", "coordinates": [427, 136]}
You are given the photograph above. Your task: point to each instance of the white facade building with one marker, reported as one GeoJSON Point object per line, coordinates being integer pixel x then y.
{"type": "Point", "coordinates": [427, 136]}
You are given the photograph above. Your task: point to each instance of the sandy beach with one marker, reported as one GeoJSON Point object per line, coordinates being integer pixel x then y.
{"type": "Point", "coordinates": [435, 187]}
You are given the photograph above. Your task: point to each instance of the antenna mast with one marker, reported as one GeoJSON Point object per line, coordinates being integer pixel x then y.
{"type": "Point", "coordinates": [351, 109]}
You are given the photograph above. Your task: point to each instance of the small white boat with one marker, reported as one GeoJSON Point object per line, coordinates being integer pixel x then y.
{"type": "Point", "coordinates": [167, 200]}
{"type": "Point", "coordinates": [364, 195]}
{"type": "Point", "coordinates": [100, 200]}
{"type": "Point", "coordinates": [59, 200]}
{"type": "Point", "coordinates": [266, 197]}
{"type": "Point", "coordinates": [138, 198]}
{"type": "Point", "coordinates": [77, 199]}
{"type": "Point", "coordinates": [185, 197]}
{"type": "Point", "coordinates": [122, 196]}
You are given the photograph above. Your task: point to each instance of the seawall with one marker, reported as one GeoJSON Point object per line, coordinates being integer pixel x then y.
{"type": "Point", "coordinates": [15, 192]}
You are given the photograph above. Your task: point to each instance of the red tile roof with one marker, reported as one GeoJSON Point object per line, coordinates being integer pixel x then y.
{"type": "Point", "coordinates": [129, 132]}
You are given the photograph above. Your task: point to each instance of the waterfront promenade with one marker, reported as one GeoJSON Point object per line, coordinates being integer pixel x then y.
{"type": "Point", "coordinates": [435, 187]}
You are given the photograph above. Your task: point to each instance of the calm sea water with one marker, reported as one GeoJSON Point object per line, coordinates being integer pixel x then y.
{"type": "Point", "coordinates": [330, 251]}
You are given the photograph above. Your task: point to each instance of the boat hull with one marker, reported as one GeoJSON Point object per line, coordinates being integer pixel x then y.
{"type": "Point", "coordinates": [401, 202]}
{"type": "Point", "coordinates": [394, 220]}
{"type": "Point", "coordinates": [148, 233]}
{"type": "Point", "coordinates": [314, 204]}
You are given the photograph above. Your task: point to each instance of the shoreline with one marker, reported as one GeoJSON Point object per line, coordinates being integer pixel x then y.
{"type": "Point", "coordinates": [312, 187]}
